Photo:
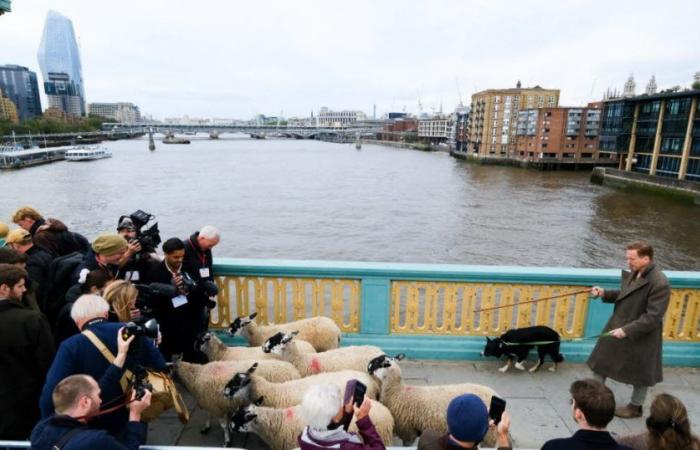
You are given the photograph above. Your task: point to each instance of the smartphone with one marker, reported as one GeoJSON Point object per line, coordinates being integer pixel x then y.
{"type": "Point", "coordinates": [359, 393]}
{"type": "Point", "coordinates": [498, 405]}
{"type": "Point", "coordinates": [349, 391]}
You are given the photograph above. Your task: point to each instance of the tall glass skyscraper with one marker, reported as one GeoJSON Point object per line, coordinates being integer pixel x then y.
{"type": "Point", "coordinates": [20, 85]}
{"type": "Point", "coordinates": [59, 60]}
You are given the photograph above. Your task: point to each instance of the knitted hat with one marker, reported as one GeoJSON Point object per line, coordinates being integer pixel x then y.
{"type": "Point", "coordinates": [18, 236]}
{"type": "Point", "coordinates": [467, 418]}
{"type": "Point", "coordinates": [109, 244]}
{"type": "Point", "coordinates": [4, 229]}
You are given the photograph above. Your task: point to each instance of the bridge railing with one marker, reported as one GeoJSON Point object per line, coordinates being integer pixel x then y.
{"type": "Point", "coordinates": [429, 310]}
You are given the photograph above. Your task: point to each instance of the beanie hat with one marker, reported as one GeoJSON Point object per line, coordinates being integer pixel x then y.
{"type": "Point", "coordinates": [467, 418]}
{"type": "Point", "coordinates": [19, 236]}
{"type": "Point", "coordinates": [109, 244]}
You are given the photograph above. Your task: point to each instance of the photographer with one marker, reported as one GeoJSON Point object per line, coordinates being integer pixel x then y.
{"type": "Point", "coordinates": [198, 263]}
{"type": "Point", "coordinates": [105, 253]}
{"type": "Point", "coordinates": [140, 252]}
{"type": "Point", "coordinates": [121, 296]}
{"type": "Point", "coordinates": [178, 313]}
{"type": "Point", "coordinates": [322, 409]}
{"type": "Point", "coordinates": [79, 354]}
{"type": "Point", "coordinates": [76, 400]}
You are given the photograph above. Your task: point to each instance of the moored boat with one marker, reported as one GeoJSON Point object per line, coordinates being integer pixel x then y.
{"type": "Point", "coordinates": [87, 153]}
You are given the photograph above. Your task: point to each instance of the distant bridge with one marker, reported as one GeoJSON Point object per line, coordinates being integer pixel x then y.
{"type": "Point", "coordinates": [252, 130]}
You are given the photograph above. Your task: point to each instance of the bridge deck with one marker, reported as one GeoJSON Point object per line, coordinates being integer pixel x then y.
{"type": "Point", "coordinates": [538, 404]}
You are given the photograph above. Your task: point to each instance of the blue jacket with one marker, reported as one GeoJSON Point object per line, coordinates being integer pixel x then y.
{"type": "Point", "coordinates": [49, 432]}
{"type": "Point", "coordinates": [585, 440]}
{"type": "Point", "coordinates": [78, 355]}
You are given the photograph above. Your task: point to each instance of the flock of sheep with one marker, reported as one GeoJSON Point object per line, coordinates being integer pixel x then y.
{"type": "Point", "coordinates": [258, 388]}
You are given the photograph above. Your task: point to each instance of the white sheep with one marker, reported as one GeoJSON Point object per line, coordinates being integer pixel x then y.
{"type": "Point", "coordinates": [321, 332]}
{"type": "Point", "coordinates": [206, 382]}
{"type": "Point", "coordinates": [419, 408]}
{"type": "Point", "coordinates": [280, 427]}
{"type": "Point", "coordinates": [248, 386]}
{"type": "Point", "coordinates": [345, 358]}
{"type": "Point", "coordinates": [210, 344]}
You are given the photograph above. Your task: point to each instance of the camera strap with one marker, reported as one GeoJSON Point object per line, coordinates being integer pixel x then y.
{"type": "Point", "coordinates": [109, 356]}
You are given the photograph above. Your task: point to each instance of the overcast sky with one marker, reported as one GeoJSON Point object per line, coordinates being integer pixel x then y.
{"type": "Point", "coordinates": [234, 59]}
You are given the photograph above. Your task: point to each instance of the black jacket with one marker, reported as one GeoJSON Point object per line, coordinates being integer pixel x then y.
{"type": "Point", "coordinates": [26, 352]}
{"type": "Point", "coordinates": [432, 440]}
{"type": "Point", "coordinates": [38, 264]}
{"type": "Point", "coordinates": [49, 432]}
{"type": "Point", "coordinates": [585, 440]}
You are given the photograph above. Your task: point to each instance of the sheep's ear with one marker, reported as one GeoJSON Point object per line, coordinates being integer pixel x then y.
{"type": "Point", "coordinates": [294, 333]}
{"type": "Point", "coordinates": [400, 356]}
{"type": "Point", "coordinates": [252, 368]}
{"type": "Point", "coordinates": [259, 401]}
{"type": "Point", "coordinates": [253, 316]}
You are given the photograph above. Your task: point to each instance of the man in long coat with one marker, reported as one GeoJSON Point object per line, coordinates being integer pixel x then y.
{"type": "Point", "coordinates": [632, 352]}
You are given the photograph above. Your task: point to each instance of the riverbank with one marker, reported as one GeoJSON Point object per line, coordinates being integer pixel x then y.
{"type": "Point", "coordinates": [686, 191]}
{"type": "Point", "coordinates": [540, 164]}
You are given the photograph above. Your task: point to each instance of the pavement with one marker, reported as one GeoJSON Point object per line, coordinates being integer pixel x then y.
{"type": "Point", "coordinates": [538, 403]}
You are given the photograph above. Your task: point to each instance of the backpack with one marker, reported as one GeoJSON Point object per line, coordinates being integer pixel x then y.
{"type": "Point", "coordinates": [60, 280]}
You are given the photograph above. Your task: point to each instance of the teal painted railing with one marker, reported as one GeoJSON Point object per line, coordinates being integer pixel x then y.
{"type": "Point", "coordinates": [379, 281]}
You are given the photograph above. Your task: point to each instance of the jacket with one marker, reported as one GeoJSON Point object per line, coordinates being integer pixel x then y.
{"type": "Point", "coordinates": [433, 440]}
{"type": "Point", "coordinates": [26, 352]}
{"type": "Point", "coordinates": [78, 355]}
{"type": "Point", "coordinates": [585, 440]}
{"type": "Point", "coordinates": [38, 263]}
{"type": "Point", "coordinates": [50, 431]}
{"type": "Point", "coordinates": [53, 235]}
{"type": "Point", "coordinates": [640, 306]}
{"type": "Point", "coordinates": [311, 439]}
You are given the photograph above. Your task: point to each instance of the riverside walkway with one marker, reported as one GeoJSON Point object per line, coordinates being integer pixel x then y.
{"type": "Point", "coordinates": [538, 403]}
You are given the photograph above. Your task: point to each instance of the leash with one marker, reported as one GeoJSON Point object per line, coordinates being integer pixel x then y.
{"type": "Point", "coordinates": [533, 301]}
{"type": "Point", "coordinates": [608, 333]}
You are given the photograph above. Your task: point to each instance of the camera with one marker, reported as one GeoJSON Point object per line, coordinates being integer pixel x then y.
{"type": "Point", "coordinates": [206, 287]}
{"type": "Point", "coordinates": [152, 292]}
{"type": "Point", "coordinates": [149, 238]}
{"type": "Point", "coordinates": [140, 382]}
{"type": "Point", "coordinates": [148, 328]}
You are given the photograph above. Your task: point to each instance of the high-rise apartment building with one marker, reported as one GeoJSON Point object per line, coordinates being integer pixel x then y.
{"type": "Point", "coordinates": [118, 112]}
{"type": "Point", "coordinates": [19, 85]}
{"type": "Point", "coordinates": [494, 117]}
{"type": "Point", "coordinates": [8, 111]}
{"type": "Point", "coordinates": [59, 60]}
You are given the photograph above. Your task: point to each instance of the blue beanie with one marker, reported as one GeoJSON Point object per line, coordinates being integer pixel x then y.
{"type": "Point", "coordinates": [467, 418]}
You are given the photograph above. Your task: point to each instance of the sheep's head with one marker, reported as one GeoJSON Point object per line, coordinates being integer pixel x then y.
{"type": "Point", "coordinates": [236, 327]}
{"type": "Point", "coordinates": [380, 365]}
{"type": "Point", "coordinates": [277, 343]}
{"type": "Point", "coordinates": [238, 385]}
{"type": "Point", "coordinates": [202, 341]}
{"type": "Point", "coordinates": [242, 419]}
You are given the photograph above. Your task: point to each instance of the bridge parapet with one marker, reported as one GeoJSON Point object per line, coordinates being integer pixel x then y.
{"type": "Point", "coordinates": [428, 310]}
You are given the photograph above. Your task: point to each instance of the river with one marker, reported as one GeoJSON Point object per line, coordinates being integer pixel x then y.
{"type": "Point", "coordinates": [301, 199]}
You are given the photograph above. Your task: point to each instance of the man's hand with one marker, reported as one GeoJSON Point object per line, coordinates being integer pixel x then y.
{"type": "Point", "coordinates": [618, 333]}
{"type": "Point", "coordinates": [502, 430]}
{"type": "Point", "coordinates": [363, 410]}
{"type": "Point", "coordinates": [597, 291]}
{"type": "Point", "coordinates": [133, 248]}
{"type": "Point", "coordinates": [136, 407]}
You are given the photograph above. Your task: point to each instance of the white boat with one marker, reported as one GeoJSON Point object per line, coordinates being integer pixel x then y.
{"type": "Point", "coordinates": [87, 153]}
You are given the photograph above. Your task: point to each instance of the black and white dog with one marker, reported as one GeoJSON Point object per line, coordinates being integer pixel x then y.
{"type": "Point", "coordinates": [517, 343]}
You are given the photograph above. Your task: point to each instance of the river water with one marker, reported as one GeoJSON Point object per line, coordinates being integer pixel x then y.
{"type": "Point", "coordinates": [301, 199]}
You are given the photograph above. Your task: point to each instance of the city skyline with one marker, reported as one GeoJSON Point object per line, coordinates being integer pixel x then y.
{"type": "Point", "coordinates": [221, 60]}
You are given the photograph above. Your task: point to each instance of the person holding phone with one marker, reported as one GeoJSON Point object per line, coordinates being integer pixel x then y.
{"type": "Point", "coordinates": [327, 416]}
{"type": "Point", "coordinates": [468, 421]}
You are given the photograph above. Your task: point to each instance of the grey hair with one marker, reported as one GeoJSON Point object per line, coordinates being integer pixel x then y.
{"type": "Point", "coordinates": [89, 306]}
{"type": "Point", "coordinates": [320, 404]}
{"type": "Point", "coordinates": [209, 232]}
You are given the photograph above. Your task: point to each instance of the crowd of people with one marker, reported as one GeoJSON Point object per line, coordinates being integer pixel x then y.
{"type": "Point", "coordinates": [74, 325]}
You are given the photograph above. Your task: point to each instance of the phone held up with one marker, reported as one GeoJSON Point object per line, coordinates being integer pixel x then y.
{"type": "Point", "coordinates": [498, 405]}
{"type": "Point", "coordinates": [355, 391]}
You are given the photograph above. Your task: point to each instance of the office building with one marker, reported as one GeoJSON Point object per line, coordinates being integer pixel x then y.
{"type": "Point", "coordinates": [20, 85]}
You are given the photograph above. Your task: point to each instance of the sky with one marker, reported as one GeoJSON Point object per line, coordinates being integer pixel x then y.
{"type": "Point", "coordinates": [235, 59]}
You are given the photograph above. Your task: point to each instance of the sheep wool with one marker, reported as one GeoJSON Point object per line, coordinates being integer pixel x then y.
{"type": "Point", "coordinates": [321, 332]}
{"type": "Point", "coordinates": [210, 344]}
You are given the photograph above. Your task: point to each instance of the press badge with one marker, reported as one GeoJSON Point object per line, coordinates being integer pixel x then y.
{"type": "Point", "coordinates": [204, 272]}
{"type": "Point", "coordinates": [179, 301]}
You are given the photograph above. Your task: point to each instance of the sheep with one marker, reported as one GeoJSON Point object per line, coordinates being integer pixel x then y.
{"type": "Point", "coordinates": [280, 427]}
{"type": "Point", "coordinates": [246, 386]}
{"type": "Point", "coordinates": [210, 344]}
{"type": "Point", "coordinates": [206, 381]}
{"type": "Point", "coordinates": [321, 332]}
{"type": "Point", "coordinates": [346, 358]}
{"type": "Point", "coordinates": [419, 408]}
